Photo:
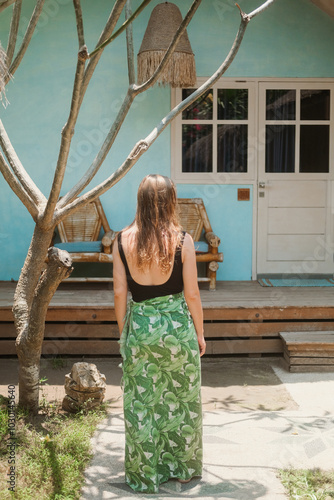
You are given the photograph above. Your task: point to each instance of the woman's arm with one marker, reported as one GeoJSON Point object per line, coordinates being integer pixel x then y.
{"type": "Point", "coordinates": [191, 290]}
{"type": "Point", "coordinates": [120, 287]}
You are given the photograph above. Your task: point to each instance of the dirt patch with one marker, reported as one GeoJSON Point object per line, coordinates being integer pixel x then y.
{"type": "Point", "coordinates": [241, 384]}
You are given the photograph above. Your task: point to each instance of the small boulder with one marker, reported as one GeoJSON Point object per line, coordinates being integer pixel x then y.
{"type": "Point", "coordinates": [85, 387]}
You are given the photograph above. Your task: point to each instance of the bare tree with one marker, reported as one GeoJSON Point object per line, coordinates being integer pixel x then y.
{"type": "Point", "coordinates": [38, 282]}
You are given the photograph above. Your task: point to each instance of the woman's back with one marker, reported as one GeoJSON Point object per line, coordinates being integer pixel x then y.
{"type": "Point", "coordinates": [149, 282]}
{"type": "Point", "coordinates": [148, 277]}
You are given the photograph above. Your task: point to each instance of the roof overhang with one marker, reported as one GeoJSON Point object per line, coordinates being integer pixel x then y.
{"type": "Point", "coordinates": [325, 5]}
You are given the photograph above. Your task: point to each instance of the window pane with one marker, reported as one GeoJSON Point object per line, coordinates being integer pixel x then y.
{"type": "Point", "coordinates": [280, 148]}
{"type": "Point", "coordinates": [232, 104]}
{"type": "Point", "coordinates": [314, 104]}
{"type": "Point", "coordinates": [201, 109]}
{"type": "Point", "coordinates": [196, 148]}
{"type": "Point", "coordinates": [280, 104]}
{"type": "Point", "coordinates": [314, 148]}
{"type": "Point", "coordinates": [232, 148]}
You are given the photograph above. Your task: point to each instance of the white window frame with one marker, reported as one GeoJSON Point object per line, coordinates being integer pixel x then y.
{"type": "Point", "coordinates": [216, 177]}
{"type": "Point", "coordinates": [256, 123]}
{"type": "Point", "coordinates": [298, 85]}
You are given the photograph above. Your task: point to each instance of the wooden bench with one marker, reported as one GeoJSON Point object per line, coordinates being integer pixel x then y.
{"type": "Point", "coordinates": [308, 351]}
{"type": "Point", "coordinates": [194, 219]}
{"type": "Point", "coordinates": [87, 236]}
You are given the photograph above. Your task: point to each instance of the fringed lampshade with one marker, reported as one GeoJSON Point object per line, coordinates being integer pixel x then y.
{"type": "Point", "coordinates": [162, 26]}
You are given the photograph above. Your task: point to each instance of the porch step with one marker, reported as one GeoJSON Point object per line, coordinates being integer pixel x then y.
{"type": "Point", "coordinates": [308, 351]}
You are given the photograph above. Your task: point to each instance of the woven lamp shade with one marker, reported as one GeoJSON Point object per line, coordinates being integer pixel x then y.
{"type": "Point", "coordinates": [162, 26]}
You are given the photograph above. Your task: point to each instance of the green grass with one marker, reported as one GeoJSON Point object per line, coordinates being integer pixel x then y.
{"type": "Point", "coordinates": [52, 451]}
{"type": "Point", "coordinates": [309, 484]}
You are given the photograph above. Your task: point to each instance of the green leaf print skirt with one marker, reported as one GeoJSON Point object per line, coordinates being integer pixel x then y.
{"type": "Point", "coordinates": [162, 393]}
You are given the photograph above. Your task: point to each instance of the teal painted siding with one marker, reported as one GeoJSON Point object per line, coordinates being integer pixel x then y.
{"type": "Point", "coordinates": [232, 221]}
{"type": "Point", "coordinates": [291, 39]}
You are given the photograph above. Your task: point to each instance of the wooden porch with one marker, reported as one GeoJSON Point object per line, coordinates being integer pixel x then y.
{"type": "Point", "coordinates": [241, 318]}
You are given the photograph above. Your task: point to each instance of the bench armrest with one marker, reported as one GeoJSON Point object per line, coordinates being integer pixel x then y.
{"type": "Point", "coordinates": [108, 240]}
{"type": "Point", "coordinates": [212, 239]}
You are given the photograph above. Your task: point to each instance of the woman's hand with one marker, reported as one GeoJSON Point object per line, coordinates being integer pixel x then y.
{"type": "Point", "coordinates": [201, 345]}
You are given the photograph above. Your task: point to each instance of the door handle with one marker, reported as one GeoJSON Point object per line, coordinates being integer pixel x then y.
{"type": "Point", "coordinates": [262, 185]}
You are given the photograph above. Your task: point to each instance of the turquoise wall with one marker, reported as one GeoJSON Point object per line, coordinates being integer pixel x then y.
{"type": "Point", "coordinates": [232, 221]}
{"type": "Point", "coordinates": [291, 39]}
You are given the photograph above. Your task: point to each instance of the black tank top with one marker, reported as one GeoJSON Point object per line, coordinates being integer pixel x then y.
{"type": "Point", "coordinates": [143, 292]}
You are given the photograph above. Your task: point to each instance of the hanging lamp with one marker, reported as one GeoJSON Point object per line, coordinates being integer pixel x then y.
{"type": "Point", "coordinates": [180, 71]}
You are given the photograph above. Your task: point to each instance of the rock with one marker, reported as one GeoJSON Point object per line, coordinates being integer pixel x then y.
{"type": "Point", "coordinates": [73, 406]}
{"type": "Point", "coordinates": [85, 387]}
{"type": "Point", "coordinates": [86, 377]}
{"type": "Point", "coordinates": [81, 397]}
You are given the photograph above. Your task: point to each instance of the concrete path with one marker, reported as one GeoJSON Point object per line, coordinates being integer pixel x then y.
{"type": "Point", "coordinates": [244, 447]}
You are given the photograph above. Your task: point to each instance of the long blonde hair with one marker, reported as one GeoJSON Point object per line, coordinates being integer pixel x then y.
{"type": "Point", "coordinates": [158, 227]}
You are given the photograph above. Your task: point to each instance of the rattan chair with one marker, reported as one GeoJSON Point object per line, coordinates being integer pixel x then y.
{"type": "Point", "coordinates": [194, 219]}
{"type": "Point", "coordinates": [80, 234]}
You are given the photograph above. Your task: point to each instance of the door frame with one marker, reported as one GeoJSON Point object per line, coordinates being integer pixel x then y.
{"type": "Point", "coordinates": [299, 83]}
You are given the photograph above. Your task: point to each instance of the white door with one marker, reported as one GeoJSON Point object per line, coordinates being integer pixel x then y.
{"type": "Point", "coordinates": [295, 172]}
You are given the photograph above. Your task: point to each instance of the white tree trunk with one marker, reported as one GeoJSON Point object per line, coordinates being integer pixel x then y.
{"type": "Point", "coordinates": [33, 293]}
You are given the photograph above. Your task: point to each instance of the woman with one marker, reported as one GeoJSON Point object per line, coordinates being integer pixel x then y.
{"type": "Point", "coordinates": [161, 341]}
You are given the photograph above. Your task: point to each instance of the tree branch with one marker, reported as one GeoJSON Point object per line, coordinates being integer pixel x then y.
{"type": "Point", "coordinates": [108, 29]}
{"type": "Point", "coordinates": [133, 90]}
{"type": "Point", "coordinates": [122, 28]}
{"type": "Point", "coordinates": [145, 144]}
{"type": "Point", "coordinates": [17, 188]}
{"type": "Point", "coordinates": [129, 44]}
{"type": "Point", "coordinates": [111, 23]}
{"type": "Point", "coordinates": [104, 150]}
{"type": "Point", "coordinates": [28, 184]}
{"type": "Point", "coordinates": [68, 130]}
{"type": "Point", "coordinates": [206, 85]}
{"type": "Point", "coordinates": [27, 38]}
{"type": "Point", "coordinates": [14, 27]}
{"type": "Point", "coordinates": [260, 9]}
{"type": "Point", "coordinates": [133, 157]}
{"type": "Point", "coordinates": [79, 21]}
{"type": "Point", "coordinates": [6, 4]}
{"type": "Point", "coordinates": [66, 138]}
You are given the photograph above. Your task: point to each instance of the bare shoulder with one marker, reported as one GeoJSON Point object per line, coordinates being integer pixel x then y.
{"type": "Point", "coordinates": [115, 250]}
{"type": "Point", "coordinates": [188, 242]}
{"type": "Point", "coordinates": [128, 234]}
{"type": "Point", "coordinates": [188, 247]}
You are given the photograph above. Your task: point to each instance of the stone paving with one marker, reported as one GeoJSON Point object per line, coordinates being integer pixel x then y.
{"type": "Point", "coordinates": [244, 447]}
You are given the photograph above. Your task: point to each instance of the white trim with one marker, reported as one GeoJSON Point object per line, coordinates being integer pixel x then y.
{"type": "Point", "coordinates": [176, 136]}
{"type": "Point", "coordinates": [298, 85]}
{"type": "Point", "coordinates": [254, 236]}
